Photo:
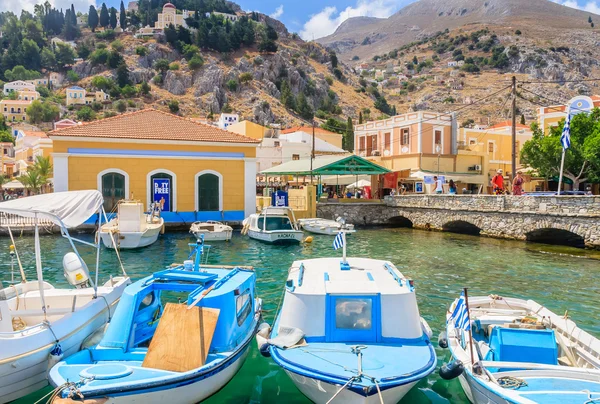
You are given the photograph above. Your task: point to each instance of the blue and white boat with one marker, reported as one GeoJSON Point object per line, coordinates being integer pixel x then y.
{"type": "Point", "coordinates": [350, 331]}
{"type": "Point", "coordinates": [522, 353]}
{"type": "Point", "coordinates": [119, 369]}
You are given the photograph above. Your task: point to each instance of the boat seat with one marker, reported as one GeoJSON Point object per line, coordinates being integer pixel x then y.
{"type": "Point", "coordinates": [523, 345]}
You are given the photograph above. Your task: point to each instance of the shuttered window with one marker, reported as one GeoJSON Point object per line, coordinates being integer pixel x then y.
{"type": "Point", "coordinates": [113, 190]}
{"type": "Point", "coordinates": [208, 193]}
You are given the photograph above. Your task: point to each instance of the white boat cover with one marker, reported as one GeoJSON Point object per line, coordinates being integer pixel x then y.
{"type": "Point", "coordinates": [70, 208]}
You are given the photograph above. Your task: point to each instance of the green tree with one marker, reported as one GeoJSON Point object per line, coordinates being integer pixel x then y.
{"type": "Point", "coordinates": [113, 17]}
{"type": "Point", "coordinates": [43, 167]}
{"type": "Point", "coordinates": [121, 106]}
{"type": "Point", "coordinates": [161, 65]}
{"type": "Point", "coordinates": [232, 85]}
{"type": "Point", "coordinates": [104, 17]}
{"type": "Point", "coordinates": [522, 119]}
{"type": "Point", "coordinates": [123, 75]}
{"type": "Point", "coordinates": [32, 181]}
{"type": "Point", "coordinates": [333, 59]}
{"type": "Point", "coordinates": [196, 62]}
{"type": "Point", "coordinates": [360, 118]}
{"type": "Point", "coordinates": [93, 18]}
{"type": "Point", "coordinates": [65, 55]}
{"type": "Point", "coordinates": [86, 114]}
{"type": "Point", "coordinates": [348, 138]}
{"type": "Point", "coordinates": [304, 109]}
{"type": "Point", "coordinates": [144, 88]}
{"type": "Point", "coordinates": [20, 73]}
{"type": "Point", "coordinates": [72, 76]}
{"type": "Point", "coordinates": [287, 97]}
{"type": "Point", "coordinates": [48, 59]}
{"type": "Point", "coordinates": [173, 106]}
{"type": "Point", "coordinates": [30, 54]}
{"type": "Point", "coordinates": [122, 17]}
{"type": "Point", "coordinates": [246, 77]}
{"type": "Point", "coordinates": [141, 51]}
{"type": "Point", "coordinates": [35, 112]}
{"type": "Point", "coordinates": [128, 91]}
{"type": "Point", "coordinates": [582, 159]}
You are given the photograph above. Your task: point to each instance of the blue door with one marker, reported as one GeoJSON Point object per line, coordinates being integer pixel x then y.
{"type": "Point", "coordinates": [351, 318]}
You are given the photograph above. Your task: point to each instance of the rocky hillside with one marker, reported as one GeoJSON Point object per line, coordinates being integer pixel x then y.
{"type": "Point", "coordinates": [426, 17]}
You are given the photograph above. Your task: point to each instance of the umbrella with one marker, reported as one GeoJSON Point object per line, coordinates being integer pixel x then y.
{"type": "Point", "coordinates": [359, 184]}
{"type": "Point", "coordinates": [14, 184]}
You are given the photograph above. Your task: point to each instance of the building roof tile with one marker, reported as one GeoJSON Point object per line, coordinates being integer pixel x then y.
{"type": "Point", "coordinates": [308, 129]}
{"type": "Point", "coordinates": [508, 123]}
{"type": "Point", "coordinates": [34, 133]}
{"type": "Point", "coordinates": [151, 124]}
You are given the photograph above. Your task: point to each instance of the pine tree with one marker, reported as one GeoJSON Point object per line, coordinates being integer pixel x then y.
{"type": "Point", "coordinates": [360, 118]}
{"type": "Point", "coordinates": [73, 15]}
{"type": "Point", "coordinates": [122, 17]}
{"type": "Point", "coordinates": [522, 119]}
{"type": "Point", "coordinates": [93, 18]}
{"type": "Point", "coordinates": [123, 75]}
{"type": "Point", "coordinates": [113, 17]}
{"type": "Point", "coordinates": [287, 98]}
{"type": "Point", "coordinates": [304, 109]}
{"type": "Point", "coordinates": [104, 18]}
{"type": "Point", "coordinates": [349, 136]}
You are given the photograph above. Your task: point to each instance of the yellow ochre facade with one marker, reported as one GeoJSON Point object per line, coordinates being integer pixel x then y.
{"type": "Point", "coordinates": [208, 179]}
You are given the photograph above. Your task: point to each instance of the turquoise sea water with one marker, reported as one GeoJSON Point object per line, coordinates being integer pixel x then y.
{"type": "Point", "coordinates": [440, 263]}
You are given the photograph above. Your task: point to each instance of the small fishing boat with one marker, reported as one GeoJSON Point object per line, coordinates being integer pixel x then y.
{"type": "Point", "coordinates": [132, 228]}
{"type": "Point", "coordinates": [273, 225]}
{"type": "Point", "coordinates": [508, 350]}
{"type": "Point", "coordinates": [211, 230]}
{"type": "Point", "coordinates": [349, 331]}
{"type": "Point", "coordinates": [324, 226]}
{"type": "Point", "coordinates": [40, 322]}
{"type": "Point", "coordinates": [156, 350]}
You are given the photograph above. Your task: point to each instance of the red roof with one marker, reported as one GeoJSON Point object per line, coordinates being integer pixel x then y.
{"type": "Point", "coordinates": [309, 130]}
{"type": "Point", "coordinates": [151, 124]}
{"type": "Point", "coordinates": [169, 5]}
{"type": "Point", "coordinates": [34, 133]}
{"type": "Point", "coordinates": [508, 123]}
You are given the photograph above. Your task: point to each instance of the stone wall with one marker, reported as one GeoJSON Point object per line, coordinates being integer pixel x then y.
{"type": "Point", "coordinates": [519, 218]}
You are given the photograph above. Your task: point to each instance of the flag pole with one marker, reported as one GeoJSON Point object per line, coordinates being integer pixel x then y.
{"type": "Point", "coordinates": [470, 329]}
{"type": "Point", "coordinates": [562, 165]}
{"type": "Point", "coordinates": [344, 244]}
{"type": "Point", "coordinates": [565, 143]}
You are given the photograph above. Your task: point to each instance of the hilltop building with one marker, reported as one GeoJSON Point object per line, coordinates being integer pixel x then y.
{"type": "Point", "coordinates": [227, 119]}
{"type": "Point", "coordinates": [14, 110]}
{"type": "Point", "coordinates": [28, 95]}
{"type": "Point", "coordinates": [78, 96]}
{"type": "Point", "coordinates": [210, 174]}
{"type": "Point", "coordinates": [18, 85]}
{"type": "Point", "coordinates": [169, 16]}
{"type": "Point", "coordinates": [29, 145]}
{"type": "Point", "coordinates": [226, 16]}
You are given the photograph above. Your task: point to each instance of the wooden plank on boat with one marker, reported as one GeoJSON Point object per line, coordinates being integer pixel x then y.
{"type": "Point", "coordinates": [250, 268]}
{"type": "Point", "coordinates": [182, 339]}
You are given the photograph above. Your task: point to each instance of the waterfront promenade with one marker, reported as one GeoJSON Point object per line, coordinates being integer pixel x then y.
{"type": "Point", "coordinates": [569, 220]}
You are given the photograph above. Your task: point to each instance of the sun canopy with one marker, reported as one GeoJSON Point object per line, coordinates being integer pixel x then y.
{"type": "Point", "coordinates": [359, 184]}
{"type": "Point", "coordinates": [14, 184]}
{"type": "Point", "coordinates": [63, 208]}
{"type": "Point", "coordinates": [328, 165]}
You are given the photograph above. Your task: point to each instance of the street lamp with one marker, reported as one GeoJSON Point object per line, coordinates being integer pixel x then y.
{"type": "Point", "coordinates": [438, 150]}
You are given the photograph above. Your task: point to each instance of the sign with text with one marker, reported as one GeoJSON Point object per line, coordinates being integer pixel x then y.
{"type": "Point", "coordinates": [279, 198]}
{"type": "Point", "coordinates": [161, 192]}
{"type": "Point", "coordinates": [428, 179]}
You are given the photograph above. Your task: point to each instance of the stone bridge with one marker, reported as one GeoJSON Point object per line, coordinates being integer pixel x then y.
{"type": "Point", "coordinates": [567, 220]}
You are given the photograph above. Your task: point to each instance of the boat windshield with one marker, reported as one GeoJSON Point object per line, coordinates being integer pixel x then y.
{"type": "Point", "coordinates": [275, 223]}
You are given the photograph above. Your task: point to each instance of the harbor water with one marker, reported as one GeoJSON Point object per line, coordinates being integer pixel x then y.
{"type": "Point", "coordinates": [562, 279]}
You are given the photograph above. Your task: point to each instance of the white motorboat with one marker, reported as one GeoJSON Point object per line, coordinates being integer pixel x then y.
{"type": "Point", "coordinates": [132, 228]}
{"type": "Point", "coordinates": [39, 322]}
{"type": "Point", "coordinates": [211, 230]}
{"type": "Point", "coordinates": [324, 226]}
{"type": "Point", "coordinates": [273, 225]}
{"type": "Point", "coordinates": [349, 331]}
{"type": "Point", "coordinates": [521, 353]}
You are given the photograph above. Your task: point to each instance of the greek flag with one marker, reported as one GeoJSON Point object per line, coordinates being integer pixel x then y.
{"type": "Point", "coordinates": [338, 241]}
{"type": "Point", "coordinates": [565, 138]}
{"type": "Point", "coordinates": [460, 316]}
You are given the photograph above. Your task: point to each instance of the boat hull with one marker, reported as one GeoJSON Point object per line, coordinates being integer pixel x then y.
{"type": "Point", "coordinates": [214, 236]}
{"type": "Point", "coordinates": [129, 240]}
{"type": "Point", "coordinates": [27, 372]}
{"type": "Point", "coordinates": [319, 391]}
{"type": "Point", "coordinates": [277, 237]}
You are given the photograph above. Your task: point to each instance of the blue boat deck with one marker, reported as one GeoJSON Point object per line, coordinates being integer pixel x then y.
{"type": "Point", "coordinates": [559, 390]}
{"type": "Point", "coordinates": [385, 362]}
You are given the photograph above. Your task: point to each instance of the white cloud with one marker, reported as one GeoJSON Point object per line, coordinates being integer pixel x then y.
{"type": "Point", "coordinates": [277, 13]}
{"type": "Point", "coordinates": [327, 20]}
{"type": "Point", "coordinates": [17, 6]}
{"type": "Point", "coordinates": [590, 6]}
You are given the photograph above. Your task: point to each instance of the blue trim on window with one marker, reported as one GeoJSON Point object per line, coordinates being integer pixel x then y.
{"type": "Point", "coordinates": [370, 276]}
{"type": "Point", "coordinates": [157, 153]}
{"type": "Point", "coordinates": [393, 273]}
{"type": "Point", "coordinates": [334, 334]}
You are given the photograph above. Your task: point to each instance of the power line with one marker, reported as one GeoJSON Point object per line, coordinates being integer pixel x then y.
{"type": "Point", "coordinates": [558, 81]}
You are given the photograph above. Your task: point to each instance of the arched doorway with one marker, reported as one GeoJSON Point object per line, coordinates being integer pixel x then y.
{"type": "Point", "coordinates": [113, 190]}
{"type": "Point", "coordinates": [400, 221]}
{"type": "Point", "coordinates": [208, 189]}
{"type": "Point", "coordinates": [461, 227]}
{"type": "Point", "coordinates": [162, 187]}
{"type": "Point", "coordinates": [556, 237]}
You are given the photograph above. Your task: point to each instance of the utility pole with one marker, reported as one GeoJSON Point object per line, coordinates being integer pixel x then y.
{"type": "Point", "coordinates": [312, 154]}
{"type": "Point", "coordinates": [514, 128]}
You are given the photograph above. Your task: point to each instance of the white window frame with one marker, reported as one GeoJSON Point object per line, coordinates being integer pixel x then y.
{"type": "Point", "coordinates": [117, 171]}
{"type": "Point", "coordinates": [220, 176]}
{"type": "Point", "coordinates": [173, 186]}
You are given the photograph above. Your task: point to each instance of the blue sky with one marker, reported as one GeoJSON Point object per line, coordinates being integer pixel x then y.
{"type": "Point", "coordinates": [309, 18]}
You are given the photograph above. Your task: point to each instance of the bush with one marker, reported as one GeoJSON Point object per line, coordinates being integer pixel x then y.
{"type": "Point", "coordinates": [189, 51]}
{"type": "Point", "coordinates": [121, 106]}
{"type": "Point", "coordinates": [144, 88]}
{"type": "Point", "coordinates": [469, 68]}
{"type": "Point", "coordinates": [195, 62]}
{"type": "Point", "coordinates": [72, 76]}
{"type": "Point", "coordinates": [131, 103]}
{"type": "Point", "coordinates": [102, 83]}
{"type": "Point", "coordinates": [96, 106]}
{"type": "Point", "coordinates": [338, 73]}
{"type": "Point", "coordinates": [101, 45]}
{"type": "Point", "coordinates": [518, 32]}
{"type": "Point", "coordinates": [128, 91]}
{"type": "Point", "coordinates": [43, 90]}
{"type": "Point", "coordinates": [329, 80]}
{"type": "Point", "coordinates": [354, 58]}
{"type": "Point", "coordinates": [108, 34]}
{"type": "Point", "coordinates": [227, 109]}
{"type": "Point", "coordinates": [174, 66]}
{"type": "Point", "coordinates": [108, 114]}
{"type": "Point", "coordinates": [117, 45]}
{"type": "Point", "coordinates": [157, 79]}
{"type": "Point", "coordinates": [173, 106]}
{"type": "Point", "coordinates": [245, 77]}
{"type": "Point", "coordinates": [258, 61]}
{"type": "Point", "coordinates": [141, 51]}
{"type": "Point", "coordinates": [232, 85]}
{"type": "Point", "coordinates": [86, 114]}
{"type": "Point", "coordinates": [99, 56]}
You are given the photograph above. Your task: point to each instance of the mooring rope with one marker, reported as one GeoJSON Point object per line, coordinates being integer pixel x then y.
{"type": "Point", "coordinates": [510, 382]}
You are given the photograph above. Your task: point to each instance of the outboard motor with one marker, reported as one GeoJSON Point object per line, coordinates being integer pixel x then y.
{"type": "Point", "coordinates": [75, 271]}
{"type": "Point", "coordinates": [443, 340]}
{"type": "Point", "coordinates": [452, 370]}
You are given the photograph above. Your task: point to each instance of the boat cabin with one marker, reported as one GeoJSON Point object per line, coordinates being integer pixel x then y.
{"type": "Point", "coordinates": [371, 302]}
{"type": "Point", "coordinates": [273, 219]}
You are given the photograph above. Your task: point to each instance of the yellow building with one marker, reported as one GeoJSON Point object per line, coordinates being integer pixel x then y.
{"type": "Point", "coordinates": [78, 96]}
{"type": "Point", "coordinates": [28, 95]}
{"type": "Point", "coordinates": [551, 116]}
{"type": "Point", "coordinates": [199, 171]}
{"type": "Point", "coordinates": [14, 110]}
{"type": "Point", "coordinates": [169, 16]}
{"type": "Point", "coordinates": [495, 143]}
{"type": "Point", "coordinates": [29, 145]}
{"type": "Point", "coordinates": [250, 129]}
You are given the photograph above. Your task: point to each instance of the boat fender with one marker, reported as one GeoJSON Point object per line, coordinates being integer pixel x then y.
{"type": "Point", "coordinates": [55, 356]}
{"type": "Point", "coordinates": [264, 350]}
{"type": "Point", "coordinates": [452, 370]}
{"type": "Point", "coordinates": [443, 340]}
{"type": "Point", "coordinates": [308, 239]}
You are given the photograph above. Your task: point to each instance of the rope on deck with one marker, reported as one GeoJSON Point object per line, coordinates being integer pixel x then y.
{"type": "Point", "coordinates": [510, 382]}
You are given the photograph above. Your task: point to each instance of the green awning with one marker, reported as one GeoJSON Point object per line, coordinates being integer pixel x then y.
{"type": "Point", "coordinates": [328, 165]}
{"type": "Point", "coordinates": [565, 180]}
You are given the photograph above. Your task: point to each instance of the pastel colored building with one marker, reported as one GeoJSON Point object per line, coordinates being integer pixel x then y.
{"type": "Point", "coordinates": [29, 145]}
{"type": "Point", "coordinates": [334, 139]}
{"type": "Point", "coordinates": [251, 129]}
{"type": "Point", "coordinates": [551, 116]}
{"type": "Point", "coordinates": [18, 85]}
{"type": "Point", "coordinates": [169, 16]}
{"type": "Point", "coordinates": [209, 174]}
{"type": "Point", "coordinates": [227, 119]}
{"type": "Point", "coordinates": [78, 96]}
{"type": "Point", "coordinates": [7, 159]}
{"type": "Point", "coordinates": [28, 95]}
{"type": "Point", "coordinates": [14, 110]}
{"type": "Point", "coordinates": [64, 123]}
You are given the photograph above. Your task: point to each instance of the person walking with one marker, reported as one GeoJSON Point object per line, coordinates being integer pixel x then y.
{"type": "Point", "coordinates": [439, 186]}
{"type": "Point", "coordinates": [517, 184]}
{"type": "Point", "coordinates": [452, 188]}
{"type": "Point", "coordinates": [498, 183]}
